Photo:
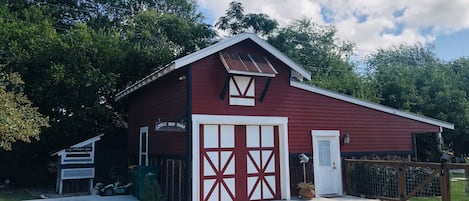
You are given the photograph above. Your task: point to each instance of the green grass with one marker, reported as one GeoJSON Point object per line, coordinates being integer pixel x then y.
{"type": "Point", "coordinates": [426, 199]}
{"type": "Point", "coordinates": [15, 196]}
{"type": "Point", "coordinates": [462, 175]}
{"type": "Point", "coordinates": [457, 193]}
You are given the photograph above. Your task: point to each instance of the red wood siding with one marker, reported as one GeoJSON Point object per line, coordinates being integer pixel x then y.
{"type": "Point", "coordinates": [164, 98]}
{"type": "Point", "coordinates": [369, 130]}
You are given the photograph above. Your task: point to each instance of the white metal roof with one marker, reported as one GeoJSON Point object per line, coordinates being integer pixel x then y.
{"type": "Point", "coordinates": [370, 105]}
{"type": "Point", "coordinates": [191, 58]}
{"type": "Point", "coordinates": [88, 141]}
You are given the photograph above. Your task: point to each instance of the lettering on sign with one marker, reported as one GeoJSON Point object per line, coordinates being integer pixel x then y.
{"type": "Point", "coordinates": [171, 126]}
{"type": "Point", "coordinates": [78, 149]}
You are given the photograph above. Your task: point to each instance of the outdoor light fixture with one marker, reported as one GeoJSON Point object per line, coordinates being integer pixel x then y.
{"type": "Point", "coordinates": [303, 158]}
{"type": "Point", "coordinates": [346, 138]}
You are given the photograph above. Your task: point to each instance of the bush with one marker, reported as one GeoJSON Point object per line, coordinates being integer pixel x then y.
{"type": "Point", "coordinates": [152, 190]}
{"type": "Point", "coordinates": [146, 185]}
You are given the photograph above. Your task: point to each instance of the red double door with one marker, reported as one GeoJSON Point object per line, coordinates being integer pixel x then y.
{"type": "Point", "coordinates": [239, 162]}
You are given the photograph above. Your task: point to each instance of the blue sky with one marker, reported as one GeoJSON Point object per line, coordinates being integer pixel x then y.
{"type": "Point", "coordinates": [452, 46]}
{"type": "Point", "coordinates": [371, 24]}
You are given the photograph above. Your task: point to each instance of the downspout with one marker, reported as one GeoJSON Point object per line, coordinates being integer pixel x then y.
{"type": "Point", "coordinates": [189, 134]}
{"type": "Point", "coordinates": [439, 140]}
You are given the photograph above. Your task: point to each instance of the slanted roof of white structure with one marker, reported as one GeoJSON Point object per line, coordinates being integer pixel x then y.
{"type": "Point", "coordinates": [81, 144]}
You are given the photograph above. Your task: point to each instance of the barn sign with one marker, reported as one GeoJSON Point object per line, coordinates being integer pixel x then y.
{"type": "Point", "coordinates": [170, 126]}
{"type": "Point", "coordinates": [78, 149]}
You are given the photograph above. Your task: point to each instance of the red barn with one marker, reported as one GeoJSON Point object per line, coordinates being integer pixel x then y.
{"type": "Point", "coordinates": [228, 122]}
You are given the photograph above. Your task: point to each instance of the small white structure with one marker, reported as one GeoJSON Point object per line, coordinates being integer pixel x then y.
{"type": "Point", "coordinates": [76, 171]}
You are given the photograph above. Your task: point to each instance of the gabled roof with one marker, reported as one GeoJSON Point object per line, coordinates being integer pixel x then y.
{"type": "Point", "coordinates": [371, 105]}
{"type": "Point", "coordinates": [83, 143]}
{"type": "Point", "coordinates": [186, 60]}
{"type": "Point", "coordinates": [217, 47]}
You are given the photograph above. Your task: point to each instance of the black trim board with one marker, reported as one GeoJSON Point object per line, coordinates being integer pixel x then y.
{"type": "Point", "coordinates": [225, 86]}
{"type": "Point", "coordinates": [189, 134]}
{"type": "Point", "coordinates": [266, 87]}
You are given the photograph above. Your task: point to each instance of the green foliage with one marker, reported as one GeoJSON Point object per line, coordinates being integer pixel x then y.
{"type": "Point", "coordinates": [317, 49]}
{"type": "Point", "coordinates": [75, 58]}
{"type": "Point", "coordinates": [235, 21]}
{"type": "Point", "coordinates": [19, 119]}
{"type": "Point", "coordinates": [427, 147]}
{"type": "Point", "coordinates": [72, 75]}
{"type": "Point", "coordinates": [154, 39]}
{"type": "Point", "coordinates": [152, 190]}
{"type": "Point", "coordinates": [411, 78]}
{"type": "Point", "coordinates": [16, 195]}
{"type": "Point", "coordinates": [146, 184]}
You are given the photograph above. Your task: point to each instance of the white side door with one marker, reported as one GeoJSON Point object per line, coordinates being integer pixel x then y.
{"type": "Point", "coordinates": [327, 165]}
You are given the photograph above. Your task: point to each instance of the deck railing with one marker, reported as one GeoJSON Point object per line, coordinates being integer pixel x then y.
{"type": "Point", "coordinates": [399, 180]}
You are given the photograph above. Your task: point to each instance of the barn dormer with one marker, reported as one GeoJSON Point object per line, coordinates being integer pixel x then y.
{"type": "Point", "coordinates": [242, 69]}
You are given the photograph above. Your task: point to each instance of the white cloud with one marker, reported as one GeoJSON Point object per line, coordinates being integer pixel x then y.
{"type": "Point", "coordinates": [444, 17]}
{"type": "Point", "coordinates": [370, 24]}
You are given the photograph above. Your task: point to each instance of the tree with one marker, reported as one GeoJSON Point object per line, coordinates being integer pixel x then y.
{"type": "Point", "coordinates": [459, 104]}
{"type": "Point", "coordinates": [317, 49]}
{"type": "Point", "coordinates": [72, 76]}
{"type": "Point", "coordinates": [235, 21]}
{"type": "Point", "coordinates": [411, 78]}
{"type": "Point", "coordinates": [19, 119]}
{"type": "Point", "coordinates": [72, 73]}
{"type": "Point", "coordinates": [398, 74]}
{"type": "Point", "coordinates": [69, 76]}
{"type": "Point", "coordinates": [153, 39]}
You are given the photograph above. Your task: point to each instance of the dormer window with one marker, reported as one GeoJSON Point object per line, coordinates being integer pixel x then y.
{"type": "Point", "coordinates": [243, 68]}
{"type": "Point", "coordinates": [242, 91]}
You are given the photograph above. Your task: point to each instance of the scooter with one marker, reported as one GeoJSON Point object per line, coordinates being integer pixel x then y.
{"type": "Point", "coordinates": [116, 188]}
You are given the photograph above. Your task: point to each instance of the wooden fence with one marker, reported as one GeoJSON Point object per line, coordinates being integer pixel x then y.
{"type": "Point", "coordinates": [172, 177]}
{"type": "Point", "coordinates": [398, 180]}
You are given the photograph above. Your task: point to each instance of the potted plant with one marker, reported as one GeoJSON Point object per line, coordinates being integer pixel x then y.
{"type": "Point", "coordinates": [306, 190]}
